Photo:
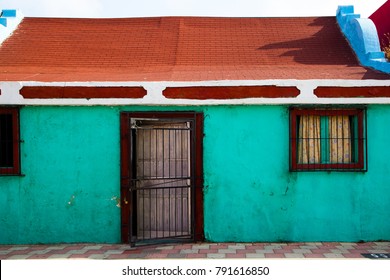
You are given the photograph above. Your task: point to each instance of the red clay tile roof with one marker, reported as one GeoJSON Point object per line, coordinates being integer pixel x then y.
{"type": "Point", "coordinates": [179, 49]}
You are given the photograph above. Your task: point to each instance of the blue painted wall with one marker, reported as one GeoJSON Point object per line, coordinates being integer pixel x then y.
{"type": "Point", "coordinates": [70, 158]}
{"type": "Point", "coordinates": [362, 35]}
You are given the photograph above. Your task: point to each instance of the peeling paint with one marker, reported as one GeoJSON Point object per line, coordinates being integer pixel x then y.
{"type": "Point", "coordinates": [71, 201]}
{"type": "Point", "coordinates": [117, 200]}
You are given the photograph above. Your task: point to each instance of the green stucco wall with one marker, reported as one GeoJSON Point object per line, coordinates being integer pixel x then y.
{"type": "Point", "coordinates": [70, 160]}
{"type": "Point", "coordinates": [70, 188]}
{"type": "Point", "coordinates": [251, 196]}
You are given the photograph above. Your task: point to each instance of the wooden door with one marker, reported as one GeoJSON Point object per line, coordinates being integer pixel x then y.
{"type": "Point", "coordinates": [161, 187]}
{"type": "Point", "coordinates": [163, 179]}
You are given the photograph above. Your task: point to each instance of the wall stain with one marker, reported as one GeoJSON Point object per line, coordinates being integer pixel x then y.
{"type": "Point", "coordinates": [117, 200]}
{"type": "Point", "coordinates": [71, 201]}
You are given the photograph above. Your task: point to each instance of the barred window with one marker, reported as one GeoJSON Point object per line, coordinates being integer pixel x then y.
{"type": "Point", "coordinates": [328, 139]}
{"type": "Point", "coordinates": [9, 141]}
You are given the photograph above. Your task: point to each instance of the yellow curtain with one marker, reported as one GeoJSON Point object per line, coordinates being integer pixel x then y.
{"type": "Point", "coordinates": [340, 139]}
{"type": "Point", "coordinates": [309, 140]}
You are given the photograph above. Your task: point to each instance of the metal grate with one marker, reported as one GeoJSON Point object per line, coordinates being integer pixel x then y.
{"type": "Point", "coordinates": [162, 181]}
{"type": "Point", "coordinates": [328, 139]}
{"type": "Point", "coordinates": [376, 256]}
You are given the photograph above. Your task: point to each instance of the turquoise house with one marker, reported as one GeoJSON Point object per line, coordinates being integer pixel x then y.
{"type": "Point", "coordinates": [140, 130]}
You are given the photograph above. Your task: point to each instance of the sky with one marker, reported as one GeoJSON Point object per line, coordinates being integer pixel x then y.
{"type": "Point", "coordinates": [223, 8]}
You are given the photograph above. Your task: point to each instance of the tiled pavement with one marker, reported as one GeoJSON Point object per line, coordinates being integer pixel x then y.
{"type": "Point", "coordinates": [195, 250]}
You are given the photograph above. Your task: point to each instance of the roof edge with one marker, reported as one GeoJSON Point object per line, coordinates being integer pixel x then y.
{"type": "Point", "coordinates": [363, 37]}
{"type": "Point", "coordinates": [9, 21]}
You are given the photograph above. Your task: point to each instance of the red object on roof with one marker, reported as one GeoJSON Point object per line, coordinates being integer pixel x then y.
{"type": "Point", "coordinates": [381, 18]}
{"type": "Point", "coordinates": [179, 49]}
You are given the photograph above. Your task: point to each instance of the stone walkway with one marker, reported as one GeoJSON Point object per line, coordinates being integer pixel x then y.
{"type": "Point", "coordinates": [198, 250]}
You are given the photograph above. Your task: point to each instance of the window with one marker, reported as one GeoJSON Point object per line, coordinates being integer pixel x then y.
{"type": "Point", "coordinates": [9, 141]}
{"type": "Point", "coordinates": [328, 139]}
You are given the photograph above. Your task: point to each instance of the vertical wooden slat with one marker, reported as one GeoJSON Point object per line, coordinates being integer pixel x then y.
{"type": "Point", "coordinates": [125, 176]}
{"type": "Point", "coordinates": [198, 142]}
{"type": "Point", "coordinates": [164, 205]}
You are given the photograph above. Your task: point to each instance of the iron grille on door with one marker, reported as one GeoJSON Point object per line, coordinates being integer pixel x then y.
{"type": "Point", "coordinates": [160, 177]}
{"type": "Point", "coordinates": [163, 178]}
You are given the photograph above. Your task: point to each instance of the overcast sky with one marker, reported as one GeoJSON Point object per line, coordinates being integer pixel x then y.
{"type": "Point", "coordinates": [142, 8]}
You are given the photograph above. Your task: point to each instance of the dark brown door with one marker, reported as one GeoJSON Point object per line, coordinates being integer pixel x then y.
{"type": "Point", "coordinates": [161, 186]}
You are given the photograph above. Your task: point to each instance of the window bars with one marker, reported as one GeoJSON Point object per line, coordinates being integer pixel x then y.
{"type": "Point", "coordinates": [328, 139]}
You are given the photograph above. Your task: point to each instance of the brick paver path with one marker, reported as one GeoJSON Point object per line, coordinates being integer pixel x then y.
{"type": "Point", "coordinates": [196, 250]}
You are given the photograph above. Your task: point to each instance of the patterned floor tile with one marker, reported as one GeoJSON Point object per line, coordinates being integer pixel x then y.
{"type": "Point", "coordinates": [196, 250]}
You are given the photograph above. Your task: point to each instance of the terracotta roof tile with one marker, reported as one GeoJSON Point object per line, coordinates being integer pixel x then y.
{"type": "Point", "coordinates": [179, 48]}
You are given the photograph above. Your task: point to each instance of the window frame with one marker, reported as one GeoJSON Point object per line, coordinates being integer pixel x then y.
{"type": "Point", "coordinates": [15, 168]}
{"type": "Point", "coordinates": [361, 137]}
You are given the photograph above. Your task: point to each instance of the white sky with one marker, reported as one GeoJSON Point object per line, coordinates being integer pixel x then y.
{"type": "Point", "coordinates": [141, 8]}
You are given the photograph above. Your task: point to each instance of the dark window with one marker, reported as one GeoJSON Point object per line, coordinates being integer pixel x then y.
{"type": "Point", "coordinates": [328, 139]}
{"type": "Point", "coordinates": [9, 141]}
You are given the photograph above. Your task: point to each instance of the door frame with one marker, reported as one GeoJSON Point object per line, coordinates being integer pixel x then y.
{"type": "Point", "coordinates": [126, 167]}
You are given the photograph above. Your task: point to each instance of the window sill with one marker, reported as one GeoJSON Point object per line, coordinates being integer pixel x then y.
{"type": "Point", "coordinates": [12, 175]}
